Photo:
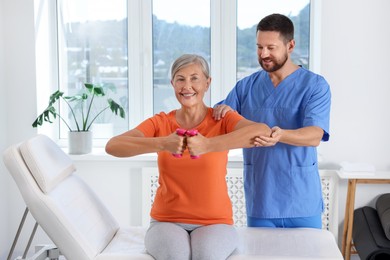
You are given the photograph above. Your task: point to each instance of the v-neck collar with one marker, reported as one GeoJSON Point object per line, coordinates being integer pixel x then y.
{"type": "Point", "coordinates": [270, 86]}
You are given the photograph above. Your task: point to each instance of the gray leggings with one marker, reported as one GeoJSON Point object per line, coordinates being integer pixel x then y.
{"type": "Point", "coordinates": [175, 241]}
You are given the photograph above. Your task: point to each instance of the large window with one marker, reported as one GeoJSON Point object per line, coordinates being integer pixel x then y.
{"type": "Point", "coordinates": [132, 44]}
{"type": "Point", "coordinates": [183, 29]}
{"type": "Point", "coordinates": [92, 48]}
{"type": "Point", "coordinates": [250, 12]}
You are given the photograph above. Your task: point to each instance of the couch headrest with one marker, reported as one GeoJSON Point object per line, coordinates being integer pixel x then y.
{"type": "Point", "coordinates": [48, 164]}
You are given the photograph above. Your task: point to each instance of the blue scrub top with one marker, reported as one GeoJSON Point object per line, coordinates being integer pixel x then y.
{"type": "Point", "coordinates": [282, 181]}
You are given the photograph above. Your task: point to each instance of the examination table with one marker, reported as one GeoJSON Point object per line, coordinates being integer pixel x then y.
{"type": "Point", "coordinates": [81, 227]}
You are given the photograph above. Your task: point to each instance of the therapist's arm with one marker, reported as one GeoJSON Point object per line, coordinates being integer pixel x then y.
{"type": "Point", "coordinates": [305, 136]}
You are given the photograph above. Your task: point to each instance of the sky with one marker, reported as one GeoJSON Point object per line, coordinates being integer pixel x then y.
{"type": "Point", "coordinates": [250, 12]}
{"type": "Point", "coordinates": [188, 12]}
{"type": "Point", "coordinates": [83, 10]}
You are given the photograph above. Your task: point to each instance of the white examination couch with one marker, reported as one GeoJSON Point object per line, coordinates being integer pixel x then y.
{"type": "Point", "coordinates": [81, 227]}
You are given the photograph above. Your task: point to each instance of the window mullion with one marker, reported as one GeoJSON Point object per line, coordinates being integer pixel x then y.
{"type": "Point", "coordinates": [140, 61]}
{"type": "Point", "coordinates": [223, 47]}
{"type": "Point", "coordinates": [315, 36]}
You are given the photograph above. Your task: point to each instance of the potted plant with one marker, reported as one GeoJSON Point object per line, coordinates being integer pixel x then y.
{"type": "Point", "coordinates": [82, 115]}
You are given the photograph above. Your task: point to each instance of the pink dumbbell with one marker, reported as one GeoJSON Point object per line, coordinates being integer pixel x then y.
{"type": "Point", "coordinates": [183, 132]}
{"type": "Point", "coordinates": [180, 132]}
{"type": "Point", "coordinates": [193, 132]}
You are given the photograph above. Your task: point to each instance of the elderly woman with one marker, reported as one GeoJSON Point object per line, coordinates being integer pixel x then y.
{"type": "Point", "coordinates": [191, 217]}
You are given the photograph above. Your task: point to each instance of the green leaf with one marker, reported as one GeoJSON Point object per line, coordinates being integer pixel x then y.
{"type": "Point", "coordinates": [95, 89]}
{"type": "Point", "coordinates": [82, 97]}
{"type": "Point", "coordinates": [45, 116]}
{"type": "Point", "coordinates": [115, 107]}
{"type": "Point", "coordinates": [54, 97]}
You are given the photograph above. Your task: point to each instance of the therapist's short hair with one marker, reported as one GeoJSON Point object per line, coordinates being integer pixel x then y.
{"type": "Point", "coordinates": [277, 23]}
{"type": "Point", "coordinates": [189, 59]}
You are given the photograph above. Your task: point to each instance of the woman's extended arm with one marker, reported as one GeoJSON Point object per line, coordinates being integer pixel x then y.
{"type": "Point", "coordinates": [242, 137]}
{"type": "Point", "coordinates": [134, 142]}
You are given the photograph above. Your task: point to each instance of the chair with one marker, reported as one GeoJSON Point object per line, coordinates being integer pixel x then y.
{"type": "Point", "coordinates": [82, 228]}
{"type": "Point", "coordinates": [65, 207]}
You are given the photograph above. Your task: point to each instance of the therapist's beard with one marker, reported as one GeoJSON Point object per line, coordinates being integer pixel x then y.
{"type": "Point", "coordinates": [276, 66]}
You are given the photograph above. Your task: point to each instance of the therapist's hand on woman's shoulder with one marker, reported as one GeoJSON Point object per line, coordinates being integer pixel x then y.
{"type": "Point", "coordinates": [220, 111]}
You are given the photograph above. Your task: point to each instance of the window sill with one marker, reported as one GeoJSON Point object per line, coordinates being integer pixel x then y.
{"type": "Point", "coordinates": [99, 154]}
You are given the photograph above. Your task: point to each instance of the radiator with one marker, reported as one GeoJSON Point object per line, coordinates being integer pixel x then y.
{"type": "Point", "coordinates": [234, 180]}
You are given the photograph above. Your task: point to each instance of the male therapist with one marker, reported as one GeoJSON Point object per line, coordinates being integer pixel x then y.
{"type": "Point", "coordinates": [281, 177]}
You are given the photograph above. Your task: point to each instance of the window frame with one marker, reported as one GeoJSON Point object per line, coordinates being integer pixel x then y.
{"type": "Point", "coordinates": [223, 22]}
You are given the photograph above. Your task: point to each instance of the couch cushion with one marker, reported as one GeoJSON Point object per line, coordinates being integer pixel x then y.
{"type": "Point", "coordinates": [383, 209]}
{"type": "Point", "coordinates": [50, 172]}
{"type": "Point", "coordinates": [368, 236]}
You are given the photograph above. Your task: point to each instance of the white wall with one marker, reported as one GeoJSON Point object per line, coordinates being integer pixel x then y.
{"type": "Point", "coordinates": [3, 182]}
{"type": "Point", "coordinates": [354, 60]}
{"type": "Point", "coordinates": [18, 104]}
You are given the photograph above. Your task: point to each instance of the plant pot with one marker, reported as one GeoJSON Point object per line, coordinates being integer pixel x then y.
{"type": "Point", "coordinates": [80, 142]}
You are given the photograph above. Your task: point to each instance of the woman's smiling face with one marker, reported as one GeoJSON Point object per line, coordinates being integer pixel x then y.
{"type": "Point", "coordinates": [190, 85]}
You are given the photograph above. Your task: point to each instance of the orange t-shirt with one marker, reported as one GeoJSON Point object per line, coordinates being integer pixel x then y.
{"type": "Point", "coordinates": [192, 191]}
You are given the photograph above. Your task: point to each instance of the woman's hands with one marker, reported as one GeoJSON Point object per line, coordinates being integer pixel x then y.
{"type": "Point", "coordinates": [175, 144]}
{"type": "Point", "coordinates": [187, 139]}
